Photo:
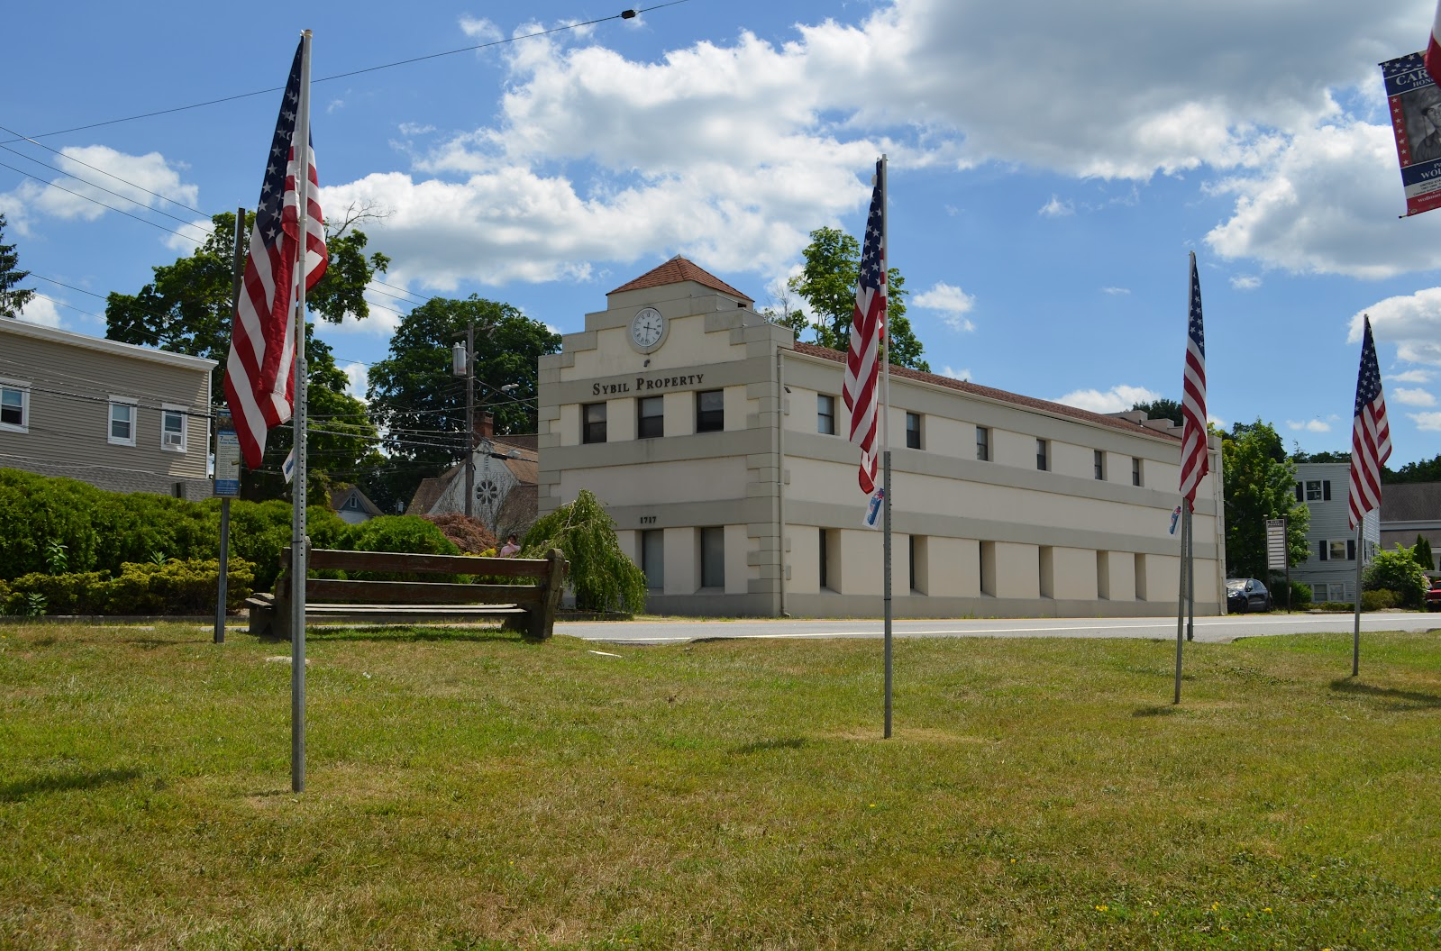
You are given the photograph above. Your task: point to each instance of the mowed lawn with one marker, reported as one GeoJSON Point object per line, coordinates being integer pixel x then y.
{"type": "Point", "coordinates": [466, 789]}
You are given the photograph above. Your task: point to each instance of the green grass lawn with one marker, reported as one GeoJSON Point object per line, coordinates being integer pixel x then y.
{"type": "Point", "coordinates": [466, 789]}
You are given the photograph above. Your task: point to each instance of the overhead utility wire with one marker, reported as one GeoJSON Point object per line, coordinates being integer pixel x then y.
{"type": "Point", "coordinates": [623, 15]}
{"type": "Point", "coordinates": [101, 203]}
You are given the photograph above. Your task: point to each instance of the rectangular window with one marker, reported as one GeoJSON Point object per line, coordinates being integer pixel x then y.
{"type": "Point", "coordinates": [913, 430]}
{"type": "Point", "coordinates": [15, 407]}
{"type": "Point", "coordinates": [1135, 470]}
{"type": "Point", "coordinates": [650, 417]}
{"type": "Point", "coordinates": [988, 568]}
{"type": "Point", "coordinates": [1313, 490]}
{"type": "Point", "coordinates": [911, 558]}
{"type": "Point", "coordinates": [983, 443]}
{"type": "Point", "coordinates": [652, 558]}
{"type": "Point", "coordinates": [122, 421]}
{"type": "Point", "coordinates": [1100, 463]}
{"type": "Point", "coordinates": [1337, 551]}
{"type": "Point", "coordinates": [712, 557]}
{"type": "Point", "coordinates": [825, 568]}
{"type": "Point", "coordinates": [592, 422]}
{"type": "Point", "coordinates": [172, 429]}
{"type": "Point", "coordinates": [1042, 449]}
{"type": "Point", "coordinates": [710, 411]}
{"type": "Point", "coordinates": [826, 416]}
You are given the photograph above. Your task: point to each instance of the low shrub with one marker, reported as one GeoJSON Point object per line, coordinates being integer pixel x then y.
{"type": "Point", "coordinates": [1378, 600]}
{"type": "Point", "coordinates": [178, 586]}
{"type": "Point", "coordinates": [468, 534]}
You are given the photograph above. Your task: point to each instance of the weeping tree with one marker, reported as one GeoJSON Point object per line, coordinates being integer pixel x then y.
{"type": "Point", "coordinates": [603, 578]}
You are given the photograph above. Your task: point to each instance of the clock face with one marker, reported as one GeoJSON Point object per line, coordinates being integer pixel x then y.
{"type": "Point", "coordinates": [646, 329]}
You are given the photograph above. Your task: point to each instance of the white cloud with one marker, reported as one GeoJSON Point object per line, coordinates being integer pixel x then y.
{"type": "Point", "coordinates": [952, 302]}
{"type": "Point", "coordinates": [189, 237]}
{"type": "Point", "coordinates": [1245, 282]}
{"type": "Point", "coordinates": [1116, 291]}
{"type": "Point", "coordinates": [1415, 397]}
{"type": "Point", "coordinates": [1117, 399]}
{"type": "Point", "coordinates": [1411, 376]}
{"type": "Point", "coordinates": [479, 28]}
{"type": "Point", "coordinates": [1309, 426]}
{"type": "Point", "coordinates": [1427, 422]}
{"type": "Point", "coordinates": [1413, 323]}
{"type": "Point", "coordinates": [359, 377]}
{"type": "Point", "coordinates": [1055, 208]}
{"type": "Point", "coordinates": [953, 373]}
{"type": "Point", "coordinates": [139, 178]}
{"type": "Point", "coordinates": [41, 310]}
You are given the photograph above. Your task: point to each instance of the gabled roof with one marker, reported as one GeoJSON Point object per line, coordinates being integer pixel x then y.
{"type": "Point", "coordinates": [991, 393]}
{"type": "Point", "coordinates": [1411, 502]}
{"type": "Point", "coordinates": [678, 270]}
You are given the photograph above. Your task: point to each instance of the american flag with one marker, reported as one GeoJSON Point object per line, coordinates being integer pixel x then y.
{"type": "Point", "coordinates": [1370, 434]}
{"type": "Point", "coordinates": [1433, 48]}
{"type": "Point", "coordinates": [259, 384]}
{"type": "Point", "coordinates": [867, 329]}
{"type": "Point", "coordinates": [1195, 457]}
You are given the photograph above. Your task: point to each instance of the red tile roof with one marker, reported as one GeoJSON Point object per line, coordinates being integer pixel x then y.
{"type": "Point", "coordinates": [991, 393]}
{"type": "Point", "coordinates": [676, 271]}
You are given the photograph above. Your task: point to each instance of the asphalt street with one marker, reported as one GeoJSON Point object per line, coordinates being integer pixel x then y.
{"type": "Point", "coordinates": [1207, 629]}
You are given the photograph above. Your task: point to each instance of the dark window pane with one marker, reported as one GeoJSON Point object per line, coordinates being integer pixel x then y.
{"type": "Point", "coordinates": [710, 411]}
{"type": "Point", "coordinates": [593, 422]}
{"type": "Point", "coordinates": [650, 423]}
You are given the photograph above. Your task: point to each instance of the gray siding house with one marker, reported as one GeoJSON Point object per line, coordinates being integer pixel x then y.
{"type": "Point", "coordinates": [120, 417]}
{"type": "Point", "coordinates": [1330, 569]}
{"type": "Point", "coordinates": [1410, 510]}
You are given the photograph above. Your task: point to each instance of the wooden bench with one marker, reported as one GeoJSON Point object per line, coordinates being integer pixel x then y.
{"type": "Point", "coordinates": [527, 605]}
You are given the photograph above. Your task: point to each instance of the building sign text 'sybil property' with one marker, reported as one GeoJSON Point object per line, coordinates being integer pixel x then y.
{"type": "Point", "coordinates": [643, 384]}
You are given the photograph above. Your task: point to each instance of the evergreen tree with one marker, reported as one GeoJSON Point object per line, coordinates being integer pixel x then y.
{"type": "Point", "coordinates": [12, 299]}
{"type": "Point", "coordinates": [1424, 557]}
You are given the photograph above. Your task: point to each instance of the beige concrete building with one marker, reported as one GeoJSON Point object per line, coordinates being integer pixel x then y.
{"type": "Point", "coordinates": [718, 445]}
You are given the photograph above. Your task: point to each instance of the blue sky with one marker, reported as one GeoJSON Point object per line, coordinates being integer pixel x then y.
{"type": "Point", "coordinates": [1051, 165]}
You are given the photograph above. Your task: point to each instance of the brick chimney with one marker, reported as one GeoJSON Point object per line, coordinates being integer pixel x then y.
{"type": "Point", "coordinates": [485, 426]}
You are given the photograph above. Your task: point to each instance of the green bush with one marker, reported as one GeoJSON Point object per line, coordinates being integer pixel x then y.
{"type": "Point", "coordinates": [398, 533]}
{"type": "Point", "coordinates": [601, 575]}
{"type": "Point", "coordinates": [179, 586]}
{"type": "Point", "coordinates": [1397, 571]}
{"type": "Point", "coordinates": [1378, 599]}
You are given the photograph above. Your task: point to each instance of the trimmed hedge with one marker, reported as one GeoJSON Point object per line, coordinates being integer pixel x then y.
{"type": "Point", "coordinates": [175, 587]}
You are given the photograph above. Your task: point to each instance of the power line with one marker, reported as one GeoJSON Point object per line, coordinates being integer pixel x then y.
{"type": "Point", "coordinates": [623, 15]}
{"type": "Point", "coordinates": [101, 203]}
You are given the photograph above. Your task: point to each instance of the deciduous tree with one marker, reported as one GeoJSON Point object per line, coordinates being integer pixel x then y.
{"type": "Point", "coordinates": [1259, 484]}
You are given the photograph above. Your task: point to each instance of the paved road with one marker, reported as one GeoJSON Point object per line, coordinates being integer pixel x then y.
{"type": "Point", "coordinates": [1207, 630]}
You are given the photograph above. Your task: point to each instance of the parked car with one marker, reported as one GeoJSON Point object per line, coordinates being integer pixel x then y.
{"type": "Point", "coordinates": [1246, 594]}
{"type": "Point", "coordinates": [1433, 596]}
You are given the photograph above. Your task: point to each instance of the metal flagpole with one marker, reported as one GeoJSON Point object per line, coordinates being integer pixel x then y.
{"type": "Point", "coordinates": [223, 572]}
{"type": "Point", "coordinates": [1190, 573]}
{"type": "Point", "coordinates": [1181, 601]}
{"type": "Point", "coordinates": [1356, 632]}
{"type": "Point", "coordinates": [298, 541]}
{"type": "Point", "coordinates": [885, 355]}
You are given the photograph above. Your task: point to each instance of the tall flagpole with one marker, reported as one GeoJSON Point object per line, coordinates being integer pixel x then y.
{"type": "Point", "coordinates": [1190, 572]}
{"type": "Point", "coordinates": [1356, 631]}
{"type": "Point", "coordinates": [298, 540]}
{"type": "Point", "coordinates": [1181, 600]}
{"type": "Point", "coordinates": [885, 354]}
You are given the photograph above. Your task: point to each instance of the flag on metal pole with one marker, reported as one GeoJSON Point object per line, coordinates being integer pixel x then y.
{"type": "Point", "coordinates": [1370, 433]}
{"type": "Point", "coordinates": [863, 357]}
{"type": "Point", "coordinates": [1195, 455]}
{"type": "Point", "coordinates": [258, 381]}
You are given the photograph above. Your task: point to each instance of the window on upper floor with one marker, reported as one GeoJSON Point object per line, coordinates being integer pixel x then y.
{"type": "Point", "coordinates": [826, 414]}
{"type": "Point", "coordinates": [710, 411]}
{"type": "Point", "coordinates": [15, 407]}
{"type": "Point", "coordinates": [1043, 452]}
{"type": "Point", "coordinates": [1135, 470]}
{"type": "Point", "coordinates": [913, 430]}
{"type": "Point", "coordinates": [650, 417]}
{"type": "Point", "coordinates": [1100, 464]}
{"type": "Point", "coordinates": [172, 429]}
{"type": "Point", "coordinates": [592, 422]}
{"type": "Point", "coordinates": [1314, 490]}
{"type": "Point", "coordinates": [122, 421]}
{"type": "Point", "coordinates": [983, 443]}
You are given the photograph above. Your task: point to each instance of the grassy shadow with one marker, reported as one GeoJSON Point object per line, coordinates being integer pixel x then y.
{"type": "Point", "coordinates": [408, 633]}
{"type": "Point", "coordinates": [65, 782]}
{"type": "Point", "coordinates": [1406, 699]}
{"type": "Point", "coordinates": [1156, 711]}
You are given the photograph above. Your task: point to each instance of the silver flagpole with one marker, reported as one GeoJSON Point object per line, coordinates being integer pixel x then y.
{"type": "Point", "coordinates": [1190, 572]}
{"type": "Point", "coordinates": [885, 354]}
{"type": "Point", "coordinates": [298, 540]}
{"type": "Point", "coordinates": [1356, 632]}
{"type": "Point", "coordinates": [1181, 602]}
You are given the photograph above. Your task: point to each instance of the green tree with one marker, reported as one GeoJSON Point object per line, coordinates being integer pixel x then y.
{"type": "Point", "coordinates": [1398, 571]}
{"type": "Point", "coordinates": [1299, 456]}
{"type": "Point", "coordinates": [421, 405]}
{"type": "Point", "coordinates": [188, 308]}
{"type": "Point", "coordinates": [1424, 556]}
{"type": "Point", "coordinates": [828, 283]}
{"type": "Point", "coordinates": [1425, 470]}
{"type": "Point", "coordinates": [599, 573]}
{"type": "Point", "coordinates": [1259, 484]}
{"type": "Point", "coordinates": [12, 299]}
{"type": "Point", "coordinates": [1161, 409]}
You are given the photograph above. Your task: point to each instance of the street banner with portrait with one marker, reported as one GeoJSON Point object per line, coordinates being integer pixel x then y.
{"type": "Point", "coordinates": [1416, 119]}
